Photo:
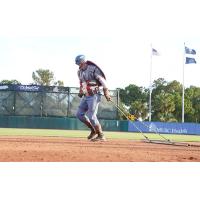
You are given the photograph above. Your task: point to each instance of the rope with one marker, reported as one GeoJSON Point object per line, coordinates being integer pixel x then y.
{"type": "Point", "coordinates": [129, 117]}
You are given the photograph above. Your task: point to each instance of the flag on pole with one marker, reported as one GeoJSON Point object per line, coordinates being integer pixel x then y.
{"type": "Point", "coordinates": [190, 51]}
{"type": "Point", "coordinates": [190, 60]}
{"type": "Point", "coordinates": [155, 52]}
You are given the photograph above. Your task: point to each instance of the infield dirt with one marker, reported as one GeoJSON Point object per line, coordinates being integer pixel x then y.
{"type": "Point", "coordinates": [61, 149]}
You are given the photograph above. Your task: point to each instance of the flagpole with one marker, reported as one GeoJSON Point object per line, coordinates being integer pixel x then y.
{"type": "Point", "coordinates": [150, 85]}
{"type": "Point", "coordinates": [183, 88]}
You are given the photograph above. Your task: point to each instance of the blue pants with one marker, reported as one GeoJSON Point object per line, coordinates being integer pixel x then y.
{"type": "Point", "coordinates": [89, 105]}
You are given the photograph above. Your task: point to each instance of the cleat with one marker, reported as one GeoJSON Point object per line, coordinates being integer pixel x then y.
{"type": "Point", "coordinates": [99, 138]}
{"type": "Point", "coordinates": [91, 136]}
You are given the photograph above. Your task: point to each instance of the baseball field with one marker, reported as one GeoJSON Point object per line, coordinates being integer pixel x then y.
{"type": "Point", "coordinates": [44, 145]}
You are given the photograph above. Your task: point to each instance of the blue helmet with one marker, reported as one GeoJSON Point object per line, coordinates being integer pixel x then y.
{"type": "Point", "coordinates": [79, 59]}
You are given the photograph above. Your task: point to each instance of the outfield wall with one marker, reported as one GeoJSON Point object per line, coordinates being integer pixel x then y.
{"type": "Point", "coordinates": [108, 125]}
{"type": "Point", "coordinates": [165, 127]}
{"type": "Point", "coordinates": [58, 123]}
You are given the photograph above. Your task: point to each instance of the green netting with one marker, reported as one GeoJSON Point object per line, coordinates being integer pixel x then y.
{"type": "Point", "coordinates": [7, 102]}
{"type": "Point", "coordinates": [28, 100]}
{"type": "Point", "coordinates": [28, 103]}
{"type": "Point", "coordinates": [55, 104]}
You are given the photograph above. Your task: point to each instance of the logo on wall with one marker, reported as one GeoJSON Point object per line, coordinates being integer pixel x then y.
{"type": "Point", "coordinates": [30, 88]}
{"type": "Point", "coordinates": [3, 87]}
{"type": "Point", "coordinates": [153, 128]}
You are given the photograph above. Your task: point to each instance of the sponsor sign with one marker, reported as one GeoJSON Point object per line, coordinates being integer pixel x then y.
{"type": "Point", "coordinates": [165, 127]}
{"type": "Point", "coordinates": [4, 87]}
{"type": "Point", "coordinates": [28, 88]}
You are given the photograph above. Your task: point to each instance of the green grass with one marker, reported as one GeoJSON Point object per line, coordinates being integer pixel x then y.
{"type": "Point", "coordinates": [83, 134]}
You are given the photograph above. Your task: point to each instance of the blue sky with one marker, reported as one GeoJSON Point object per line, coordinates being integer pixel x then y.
{"type": "Point", "coordinates": [114, 34]}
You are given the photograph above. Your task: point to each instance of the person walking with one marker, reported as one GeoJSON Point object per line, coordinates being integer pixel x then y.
{"type": "Point", "coordinates": [92, 79]}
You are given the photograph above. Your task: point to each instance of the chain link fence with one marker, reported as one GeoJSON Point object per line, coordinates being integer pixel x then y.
{"type": "Point", "coordinates": [49, 101]}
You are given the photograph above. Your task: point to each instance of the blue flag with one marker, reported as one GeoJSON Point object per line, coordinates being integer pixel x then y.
{"type": "Point", "coordinates": [190, 51]}
{"type": "Point", "coordinates": [155, 52]}
{"type": "Point", "coordinates": [190, 60]}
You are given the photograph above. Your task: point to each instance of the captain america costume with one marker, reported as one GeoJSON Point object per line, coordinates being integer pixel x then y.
{"type": "Point", "coordinates": [92, 79]}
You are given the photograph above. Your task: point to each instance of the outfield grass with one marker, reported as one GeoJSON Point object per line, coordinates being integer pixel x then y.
{"type": "Point", "coordinates": [83, 134]}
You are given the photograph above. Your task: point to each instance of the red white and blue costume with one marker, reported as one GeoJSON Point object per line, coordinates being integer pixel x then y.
{"type": "Point", "coordinates": [92, 79]}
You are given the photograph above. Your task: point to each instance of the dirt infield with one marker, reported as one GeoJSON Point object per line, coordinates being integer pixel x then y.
{"type": "Point", "coordinates": [61, 149]}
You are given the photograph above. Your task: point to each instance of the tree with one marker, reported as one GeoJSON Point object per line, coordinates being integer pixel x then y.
{"type": "Point", "coordinates": [159, 86]}
{"type": "Point", "coordinates": [173, 87]}
{"type": "Point", "coordinates": [59, 83]}
{"type": "Point", "coordinates": [132, 93]}
{"type": "Point", "coordinates": [178, 106]}
{"type": "Point", "coordinates": [139, 109]}
{"type": "Point", "coordinates": [166, 101]}
{"type": "Point", "coordinates": [164, 107]}
{"type": "Point", "coordinates": [172, 91]}
{"type": "Point", "coordinates": [10, 82]}
{"type": "Point", "coordinates": [192, 100]}
{"type": "Point", "coordinates": [43, 77]}
{"type": "Point", "coordinates": [196, 103]}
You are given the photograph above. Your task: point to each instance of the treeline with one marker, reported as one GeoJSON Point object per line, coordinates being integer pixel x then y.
{"type": "Point", "coordinates": [166, 98]}
{"type": "Point", "coordinates": [39, 77]}
{"type": "Point", "coordinates": [166, 101]}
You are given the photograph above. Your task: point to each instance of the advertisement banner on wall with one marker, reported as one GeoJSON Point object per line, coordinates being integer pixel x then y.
{"type": "Point", "coordinates": [167, 128]}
